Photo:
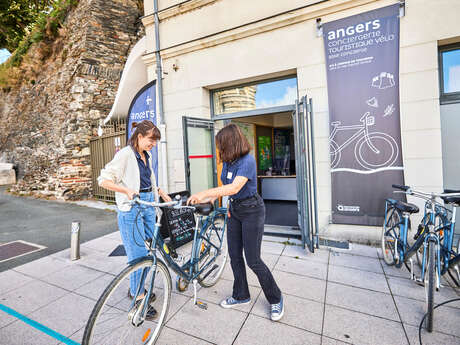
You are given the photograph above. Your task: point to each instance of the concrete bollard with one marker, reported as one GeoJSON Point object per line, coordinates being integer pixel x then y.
{"type": "Point", "coordinates": [75, 241]}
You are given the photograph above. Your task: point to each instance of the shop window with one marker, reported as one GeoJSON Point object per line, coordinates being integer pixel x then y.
{"type": "Point", "coordinates": [449, 68]}
{"type": "Point", "coordinates": [260, 95]}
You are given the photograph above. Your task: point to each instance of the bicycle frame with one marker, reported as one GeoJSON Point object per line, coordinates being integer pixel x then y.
{"type": "Point", "coordinates": [188, 270]}
{"type": "Point", "coordinates": [362, 129]}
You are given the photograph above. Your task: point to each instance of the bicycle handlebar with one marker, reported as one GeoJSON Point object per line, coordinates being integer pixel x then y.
{"type": "Point", "coordinates": [175, 204]}
{"type": "Point", "coordinates": [408, 190]}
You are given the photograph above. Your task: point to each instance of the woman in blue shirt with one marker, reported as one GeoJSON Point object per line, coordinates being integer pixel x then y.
{"type": "Point", "coordinates": [246, 219]}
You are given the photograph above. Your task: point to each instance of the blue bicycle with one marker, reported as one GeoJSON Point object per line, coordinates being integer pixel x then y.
{"type": "Point", "coordinates": [433, 241]}
{"type": "Point", "coordinates": [118, 318]}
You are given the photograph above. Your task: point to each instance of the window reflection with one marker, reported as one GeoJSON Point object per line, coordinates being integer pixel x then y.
{"type": "Point", "coordinates": [451, 70]}
{"type": "Point", "coordinates": [257, 96]}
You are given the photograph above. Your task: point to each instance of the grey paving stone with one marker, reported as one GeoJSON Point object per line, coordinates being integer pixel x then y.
{"type": "Point", "coordinates": [357, 328]}
{"type": "Point", "coordinates": [31, 296]}
{"type": "Point", "coordinates": [295, 312]}
{"type": "Point", "coordinates": [6, 319]}
{"type": "Point", "coordinates": [272, 247]}
{"type": "Point", "coordinates": [358, 278]}
{"type": "Point", "coordinates": [359, 262]}
{"type": "Point", "coordinates": [176, 303]}
{"type": "Point", "coordinates": [11, 280]}
{"type": "Point", "coordinates": [329, 341]}
{"type": "Point", "coordinates": [96, 287]}
{"type": "Point", "coordinates": [269, 259]}
{"type": "Point", "coordinates": [72, 277]}
{"type": "Point", "coordinates": [409, 288]}
{"type": "Point", "coordinates": [433, 338]}
{"type": "Point", "coordinates": [398, 272]}
{"type": "Point", "coordinates": [102, 244]}
{"type": "Point", "coordinates": [321, 255]}
{"type": "Point", "coordinates": [300, 286]}
{"type": "Point", "coordinates": [303, 267]}
{"type": "Point", "coordinates": [19, 333]}
{"type": "Point", "coordinates": [195, 321]}
{"type": "Point", "coordinates": [104, 263]}
{"type": "Point", "coordinates": [170, 336]}
{"type": "Point", "coordinates": [359, 249]}
{"type": "Point", "coordinates": [224, 289]}
{"type": "Point", "coordinates": [42, 267]}
{"type": "Point", "coordinates": [65, 315]}
{"type": "Point", "coordinates": [445, 318]}
{"type": "Point", "coordinates": [260, 331]}
{"type": "Point", "coordinates": [364, 301]}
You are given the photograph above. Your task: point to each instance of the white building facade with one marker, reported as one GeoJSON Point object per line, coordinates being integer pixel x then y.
{"type": "Point", "coordinates": [210, 46]}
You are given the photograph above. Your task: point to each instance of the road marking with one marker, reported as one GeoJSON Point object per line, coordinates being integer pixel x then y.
{"type": "Point", "coordinates": [39, 326]}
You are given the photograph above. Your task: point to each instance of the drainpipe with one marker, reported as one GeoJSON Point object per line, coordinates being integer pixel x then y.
{"type": "Point", "coordinates": [162, 125]}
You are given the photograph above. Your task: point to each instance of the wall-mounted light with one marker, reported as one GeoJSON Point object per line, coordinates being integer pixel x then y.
{"type": "Point", "coordinates": [319, 27]}
{"type": "Point", "coordinates": [402, 8]}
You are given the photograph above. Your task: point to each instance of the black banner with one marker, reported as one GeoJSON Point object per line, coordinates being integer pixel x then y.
{"type": "Point", "coordinates": [362, 62]}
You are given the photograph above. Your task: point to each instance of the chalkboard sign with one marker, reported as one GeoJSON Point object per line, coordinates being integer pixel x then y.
{"type": "Point", "coordinates": [178, 224]}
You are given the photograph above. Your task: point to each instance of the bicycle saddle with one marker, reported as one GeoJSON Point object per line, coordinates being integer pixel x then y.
{"type": "Point", "coordinates": [406, 207]}
{"type": "Point", "coordinates": [204, 209]}
{"type": "Point", "coordinates": [451, 199]}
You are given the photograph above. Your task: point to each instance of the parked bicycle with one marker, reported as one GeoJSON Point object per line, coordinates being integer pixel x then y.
{"type": "Point", "coordinates": [433, 239]}
{"type": "Point", "coordinates": [118, 318]}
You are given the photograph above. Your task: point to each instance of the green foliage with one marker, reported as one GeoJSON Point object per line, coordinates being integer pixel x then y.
{"type": "Point", "coordinates": [29, 22]}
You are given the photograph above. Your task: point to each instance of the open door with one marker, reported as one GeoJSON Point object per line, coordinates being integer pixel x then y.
{"type": "Point", "coordinates": [199, 154]}
{"type": "Point", "coordinates": [306, 179]}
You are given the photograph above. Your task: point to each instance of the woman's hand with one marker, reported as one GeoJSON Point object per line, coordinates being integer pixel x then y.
{"type": "Point", "coordinates": [196, 198]}
{"type": "Point", "coordinates": [164, 196]}
{"type": "Point", "coordinates": [130, 193]}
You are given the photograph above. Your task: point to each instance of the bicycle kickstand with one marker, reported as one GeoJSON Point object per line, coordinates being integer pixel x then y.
{"type": "Point", "coordinates": [199, 304]}
{"type": "Point", "coordinates": [412, 274]}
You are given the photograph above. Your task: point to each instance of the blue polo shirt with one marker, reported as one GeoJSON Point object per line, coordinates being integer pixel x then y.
{"type": "Point", "coordinates": [243, 166]}
{"type": "Point", "coordinates": [144, 170]}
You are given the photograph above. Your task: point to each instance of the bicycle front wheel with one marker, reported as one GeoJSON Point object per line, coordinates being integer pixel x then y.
{"type": "Point", "coordinates": [430, 285]}
{"type": "Point", "coordinates": [213, 251]}
{"type": "Point", "coordinates": [390, 235]}
{"type": "Point", "coordinates": [114, 319]}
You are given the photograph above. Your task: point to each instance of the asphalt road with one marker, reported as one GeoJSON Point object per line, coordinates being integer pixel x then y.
{"type": "Point", "coordinates": [48, 223]}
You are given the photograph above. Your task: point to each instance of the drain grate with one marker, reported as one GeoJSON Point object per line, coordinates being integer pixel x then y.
{"type": "Point", "coordinates": [15, 249]}
{"type": "Point", "coordinates": [334, 244]}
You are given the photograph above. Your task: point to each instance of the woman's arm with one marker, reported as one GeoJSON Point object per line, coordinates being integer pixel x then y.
{"type": "Point", "coordinates": [163, 195]}
{"type": "Point", "coordinates": [213, 193]}
{"type": "Point", "coordinates": [110, 185]}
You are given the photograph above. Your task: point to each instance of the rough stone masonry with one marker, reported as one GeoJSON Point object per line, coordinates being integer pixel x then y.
{"type": "Point", "coordinates": [48, 121]}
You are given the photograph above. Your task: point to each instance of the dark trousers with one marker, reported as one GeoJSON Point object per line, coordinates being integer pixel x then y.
{"type": "Point", "coordinates": [245, 231]}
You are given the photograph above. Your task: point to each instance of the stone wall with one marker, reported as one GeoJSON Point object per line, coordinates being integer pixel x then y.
{"type": "Point", "coordinates": [48, 120]}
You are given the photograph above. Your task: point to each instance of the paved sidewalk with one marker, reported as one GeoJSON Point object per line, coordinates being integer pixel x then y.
{"type": "Point", "coordinates": [332, 297]}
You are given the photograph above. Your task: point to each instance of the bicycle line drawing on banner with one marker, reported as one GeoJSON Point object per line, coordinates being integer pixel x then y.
{"type": "Point", "coordinates": [383, 150]}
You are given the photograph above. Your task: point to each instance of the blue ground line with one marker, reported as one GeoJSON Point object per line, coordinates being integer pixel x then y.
{"type": "Point", "coordinates": [39, 326]}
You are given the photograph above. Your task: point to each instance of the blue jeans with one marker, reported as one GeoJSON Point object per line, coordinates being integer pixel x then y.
{"type": "Point", "coordinates": [133, 236]}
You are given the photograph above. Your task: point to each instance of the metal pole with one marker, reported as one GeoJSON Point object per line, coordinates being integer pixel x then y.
{"type": "Point", "coordinates": [75, 241]}
{"type": "Point", "coordinates": [159, 71]}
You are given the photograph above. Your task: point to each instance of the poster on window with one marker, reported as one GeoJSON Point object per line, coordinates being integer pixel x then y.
{"type": "Point", "coordinates": [143, 107]}
{"type": "Point", "coordinates": [265, 152]}
{"type": "Point", "coordinates": [362, 63]}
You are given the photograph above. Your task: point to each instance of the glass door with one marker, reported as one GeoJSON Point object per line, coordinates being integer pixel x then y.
{"type": "Point", "coordinates": [306, 193]}
{"type": "Point", "coordinates": [200, 162]}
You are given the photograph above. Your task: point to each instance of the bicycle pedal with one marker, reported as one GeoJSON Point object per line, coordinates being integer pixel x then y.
{"type": "Point", "coordinates": [201, 305]}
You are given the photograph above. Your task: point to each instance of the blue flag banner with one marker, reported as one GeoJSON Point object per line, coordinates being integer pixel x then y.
{"type": "Point", "coordinates": [143, 107]}
{"type": "Point", "coordinates": [362, 63]}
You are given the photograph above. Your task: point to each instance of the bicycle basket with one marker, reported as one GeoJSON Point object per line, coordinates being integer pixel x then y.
{"type": "Point", "coordinates": [178, 224]}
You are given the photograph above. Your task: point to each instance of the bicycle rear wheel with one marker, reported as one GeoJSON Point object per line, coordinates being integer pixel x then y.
{"type": "Point", "coordinates": [390, 235]}
{"type": "Point", "coordinates": [113, 317]}
{"type": "Point", "coordinates": [213, 251]}
{"type": "Point", "coordinates": [430, 285]}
